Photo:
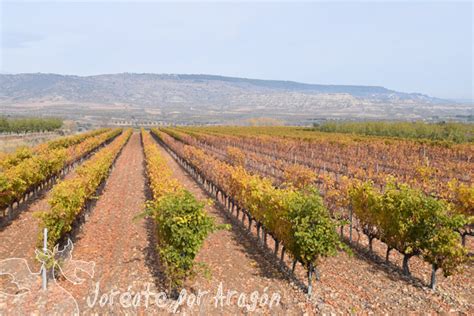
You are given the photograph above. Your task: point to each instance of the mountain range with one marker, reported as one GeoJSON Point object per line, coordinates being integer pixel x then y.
{"type": "Point", "coordinates": [208, 98]}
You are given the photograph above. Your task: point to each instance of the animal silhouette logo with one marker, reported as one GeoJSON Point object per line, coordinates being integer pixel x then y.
{"type": "Point", "coordinates": [23, 294]}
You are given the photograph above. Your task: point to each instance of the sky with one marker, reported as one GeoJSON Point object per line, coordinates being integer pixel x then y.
{"type": "Point", "coordinates": [424, 47]}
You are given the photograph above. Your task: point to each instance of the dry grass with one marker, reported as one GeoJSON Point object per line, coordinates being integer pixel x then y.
{"type": "Point", "coordinates": [11, 143]}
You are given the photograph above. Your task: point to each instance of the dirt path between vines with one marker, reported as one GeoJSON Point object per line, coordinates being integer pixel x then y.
{"type": "Point", "coordinates": [115, 241]}
{"type": "Point", "coordinates": [123, 251]}
{"type": "Point", "coordinates": [235, 262]}
{"type": "Point", "coordinates": [365, 283]}
{"type": "Point", "coordinates": [19, 238]}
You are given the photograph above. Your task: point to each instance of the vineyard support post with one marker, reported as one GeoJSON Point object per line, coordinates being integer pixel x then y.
{"type": "Point", "coordinates": [310, 279]}
{"type": "Point", "coordinates": [406, 268]}
{"type": "Point", "coordinates": [10, 212]}
{"type": "Point", "coordinates": [350, 224]}
{"type": "Point", "coordinates": [387, 254]}
{"type": "Point", "coordinates": [45, 250]}
{"type": "Point", "coordinates": [433, 277]}
{"type": "Point", "coordinates": [371, 239]}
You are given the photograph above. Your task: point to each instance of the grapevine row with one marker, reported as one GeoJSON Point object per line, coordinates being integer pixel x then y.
{"type": "Point", "coordinates": [22, 153]}
{"type": "Point", "coordinates": [361, 157]}
{"type": "Point", "coordinates": [411, 222]}
{"type": "Point", "coordinates": [70, 197]}
{"type": "Point", "coordinates": [25, 177]}
{"type": "Point", "coordinates": [426, 220]}
{"type": "Point", "coordinates": [335, 185]}
{"type": "Point", "coordinates": [459, 195]}
{"type": "Point", "coordinates": [295, 217]}
{"type": "Point", "coordinates": [182, 224]}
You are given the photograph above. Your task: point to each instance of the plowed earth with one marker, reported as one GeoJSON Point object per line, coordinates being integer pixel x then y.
{"type": "Point", "coordinates": [127, 272]}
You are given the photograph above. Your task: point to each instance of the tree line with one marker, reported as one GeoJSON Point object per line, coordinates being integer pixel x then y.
{"type": "Point", "coordinates": [441, 131]}
{"type": "Point", "coordinates": [29, 125]}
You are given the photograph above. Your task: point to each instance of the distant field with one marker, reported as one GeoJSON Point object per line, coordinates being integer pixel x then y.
{"type": "Point", "coordinates": [9, 143]}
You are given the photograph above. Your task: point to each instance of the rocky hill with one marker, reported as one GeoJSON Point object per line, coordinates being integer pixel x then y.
{"type": "Point", "coordinates": [182, 96]}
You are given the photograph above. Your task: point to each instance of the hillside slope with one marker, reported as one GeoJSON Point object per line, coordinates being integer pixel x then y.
{"type": "Point", "coordinates": [186, 96]}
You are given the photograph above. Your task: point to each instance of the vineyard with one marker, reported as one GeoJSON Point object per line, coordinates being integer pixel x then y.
{"type": "Point", "coordinates": [334, 222]}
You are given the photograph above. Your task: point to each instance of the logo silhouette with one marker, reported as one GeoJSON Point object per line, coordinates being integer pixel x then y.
{"type": "Point", "coordinates": [24, 294]}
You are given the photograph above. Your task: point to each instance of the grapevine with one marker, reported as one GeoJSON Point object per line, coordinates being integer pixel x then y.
{"type": "Point", "coordinates": [69, 197]}
{"type": "Point", "coordinates": [182, 224]}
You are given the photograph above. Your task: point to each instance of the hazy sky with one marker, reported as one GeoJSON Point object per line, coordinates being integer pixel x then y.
{"type": "Point", "coordinates": [413, 47]}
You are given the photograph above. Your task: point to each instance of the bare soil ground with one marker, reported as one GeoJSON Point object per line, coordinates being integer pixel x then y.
{"type": "Point", "coordinates": [238, 264]}
{"type": "Point", "coordinates": [20, 236]}
{"type": "Point", "coordinates": [123, 250]}
{"type": "Point", "coordinates": [9, 143]}
{"type": "Point", "coordinates": [18, 239]}
{"type": "Point", "coordinates": [112, 239]}
{"type": "Point", "coordinates": [364, 282]}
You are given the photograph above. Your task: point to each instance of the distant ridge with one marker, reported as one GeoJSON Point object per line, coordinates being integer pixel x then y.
{"type": "Point", "coordinates": [286, 85]}
{"type": "Point", "coordinates": [16, 83]}
{"type": "Point", "coordinates": [203, 95]}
